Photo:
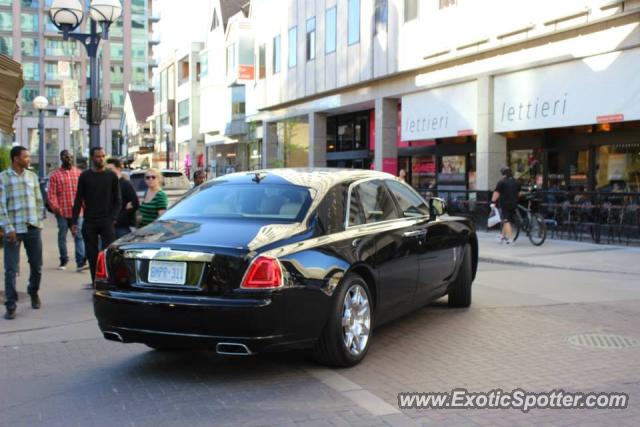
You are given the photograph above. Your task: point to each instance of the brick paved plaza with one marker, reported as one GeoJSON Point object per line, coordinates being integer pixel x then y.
{"type": "Point", "coordinates": [56, 369]}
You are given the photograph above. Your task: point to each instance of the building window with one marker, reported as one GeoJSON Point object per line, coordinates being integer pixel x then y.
{"type": "Point", "coordinates": [353, 25]}
{"type": "Point", "coordinates": [115, 29]}
{"type": "Point", "coordinates": [330, 30]}
{"type": "Point", "coordinates": [31, 71]}
{"type": "Point", "coordinates": [117, 98]}
{"type": "Point", "coordinates": [60, 48]}
{"type": "Point", "coordinates": [381, 16]}
{"type": "Point", "coordinates": [139, 76]}
{"type": "Point", "coordinates": [183, 113]}
{"type": "Point", "coordinates": [6, 45]}
{"type": "Point", "coordinates": [33, 4]}
{"type": "Point", "coordinates": [237, 102]}
{"type": "Point", "coordinates": [293, 47]}
{"type": "Point", "coordinates": [311, 39]}
{"type": "Point", "coordinates": [231, 59]}
{"type": "Point", "coordinates": [411, 10]}
{"type": "Point", "coordinates": [138, 26]}
{"type": "Point", "coordinates": [117, 74]}
{"type": "Point", "coordinates": [276, 54]}
{"type": "Point", "coordinates": [50, 139]}
{"type": "Point", "coordinates": [204, 65]}
{"type": "Point", "coordinates": [183, 71]}
{"type": "Point", "coordinates": [116, 51]}
{"type": "Point", "coordinates": [30, 47]}
{"type": "Point", "coordinates": [215, 23]}
{"type": "Point", "coordinates": [262, 61]}
{"type": "Point", "coordinates": [29, 94]}
{"type": "Point", "coordinates": [446, 3]}
{"type": "Point", "coordinates": [163, 85]}
{"type": "Point", "coordinates": [138, 7]}
{"type": "Point", "coordinates": [6, 19]}
{"type": "Point", "coordinates": [53, 95]}
{"type": "Point", "coordinates": [29, 22]}
{"type": "Point", "coordinates": [139, 51]}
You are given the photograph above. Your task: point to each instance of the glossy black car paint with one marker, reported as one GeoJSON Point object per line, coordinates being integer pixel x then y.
{"type": "Point", "coordinates": [316, 253]}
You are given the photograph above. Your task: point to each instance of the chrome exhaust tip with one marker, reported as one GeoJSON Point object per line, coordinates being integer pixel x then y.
{"type": "Point", "coordinates": [232, 349]}
{"type": "Point", "coordinates": [112, 336]}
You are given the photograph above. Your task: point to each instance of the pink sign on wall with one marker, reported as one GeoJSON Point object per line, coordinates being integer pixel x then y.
{"type": "Point", "coordinates": [390, 165]}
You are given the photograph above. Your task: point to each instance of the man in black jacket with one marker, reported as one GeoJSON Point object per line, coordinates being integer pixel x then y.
{"type": "Point", "coordinates": [99, 194]}
{"type": "Point", "coordinates": [130, 202]}
{"type": "Point", "coordinates": [506, 195]}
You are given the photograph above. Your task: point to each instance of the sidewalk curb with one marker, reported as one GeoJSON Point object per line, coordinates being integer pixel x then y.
{"type": "Point", "coordinates": [507, 261]}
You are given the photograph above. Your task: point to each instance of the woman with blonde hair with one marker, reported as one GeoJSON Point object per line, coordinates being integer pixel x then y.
{"type": "Point", "coordinates": [155, 200]}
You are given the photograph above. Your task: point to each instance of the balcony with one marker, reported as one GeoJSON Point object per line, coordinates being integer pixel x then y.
{"type": "Point", "coordinates": [154, 40]}
{"type": "Point", "coordinates": [236, 127]}
{"type": "Point", "coordinates": [155, 17]}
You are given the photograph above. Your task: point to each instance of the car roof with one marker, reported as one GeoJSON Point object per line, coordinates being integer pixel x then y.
{"type": "Point", "coordinates": [320, 179]}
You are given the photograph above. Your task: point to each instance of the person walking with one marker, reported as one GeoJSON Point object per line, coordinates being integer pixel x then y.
{"type": "Point", "coordinates": [99, 194]}
{"type": "Point", "coordinates": [63, 184]}
{"type": "Point", "coordinates": [21, 215]}
{"type": "Point", "coordinates": [130, 202]}
{"type": "Point", "coordinates": [155, 200]}
{"type": "Point", "coordinates": [199, 177]}
{"type": "Point", "coordinates": [506, 197]}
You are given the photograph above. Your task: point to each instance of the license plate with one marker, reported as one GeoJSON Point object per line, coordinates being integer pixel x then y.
{"type": "Point", "coordinates": [167, 272]}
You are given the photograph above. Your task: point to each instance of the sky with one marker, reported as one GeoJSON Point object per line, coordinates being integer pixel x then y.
{"type": "Point", "coordinates": [182, 21]}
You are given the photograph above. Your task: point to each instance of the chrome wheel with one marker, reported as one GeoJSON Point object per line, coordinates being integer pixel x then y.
{"type": "Point", "coordinates": [356, 320]}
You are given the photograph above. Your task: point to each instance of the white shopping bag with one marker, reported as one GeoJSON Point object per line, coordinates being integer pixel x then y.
{"type": "Point", "coordinates": [494, 217]}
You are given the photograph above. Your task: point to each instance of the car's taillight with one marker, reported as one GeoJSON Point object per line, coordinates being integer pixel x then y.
{"type": "Point", "coordinates": [101, 267]}
{"type": "Point", "coordinates": [264, 273]}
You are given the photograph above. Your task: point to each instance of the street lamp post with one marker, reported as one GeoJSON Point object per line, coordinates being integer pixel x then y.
{"type": "Point", "coordinates": [167, 130]}
{"type": "Point", "coordinates": [67, 15]}
{"type": "Point", "coordinates": [40, 103]}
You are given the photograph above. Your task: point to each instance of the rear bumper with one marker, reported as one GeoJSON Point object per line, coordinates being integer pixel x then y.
{"type": "Point", "coordinates": [203, 322]}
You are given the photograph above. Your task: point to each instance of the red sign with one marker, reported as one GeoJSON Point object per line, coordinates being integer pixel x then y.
{"type": "Point", "coordinates": [465, 132]}
{"type": "Point", "coordinates": [424, 168]}
{"type": "Point", "coordinates": [245, 72]}
{"type": "Point", "coordinates": [611, 118]}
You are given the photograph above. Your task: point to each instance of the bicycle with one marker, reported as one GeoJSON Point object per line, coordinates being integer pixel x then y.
{"type": "Point", "coordinates": [532, 224]}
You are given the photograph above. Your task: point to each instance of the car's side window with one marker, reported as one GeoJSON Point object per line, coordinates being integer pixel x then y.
{"type": "Point", "coordinates": [411, 205]}
{"type": "Point", "coordinates": [356, 216]}
{"type": "Point", "coordinates": [375, 202]}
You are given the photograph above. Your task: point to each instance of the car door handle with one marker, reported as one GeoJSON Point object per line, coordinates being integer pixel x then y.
{"type": "Point", "coordinates": [415, 233]}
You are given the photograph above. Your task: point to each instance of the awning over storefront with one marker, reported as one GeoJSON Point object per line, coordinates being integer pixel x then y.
{"type": "Point", "coordinates": [10, 84]}
{"type": "Point", "coordinates": [598, 89]}
{"type": "Point", "coordinates": [440, 113]}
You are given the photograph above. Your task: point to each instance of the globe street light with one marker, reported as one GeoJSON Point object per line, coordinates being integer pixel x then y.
{"type": "Point", "coordinates": [167, 130]}
{"type": "Point", "coordinates": [67, 15]}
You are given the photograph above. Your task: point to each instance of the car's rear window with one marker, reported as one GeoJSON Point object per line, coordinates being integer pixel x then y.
{"type": "Point", "coordinates": [255, 201]}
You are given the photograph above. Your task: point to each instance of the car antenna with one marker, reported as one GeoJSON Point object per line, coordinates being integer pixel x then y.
{"type": "Point", "coordinates": [257, 176]}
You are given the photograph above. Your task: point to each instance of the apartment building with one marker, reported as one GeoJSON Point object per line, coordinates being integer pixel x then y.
{"type": "Point", "coordinates": [228, 66]}
{"type": "Point", "coordinates": [451, 90]}
{"type": "Point", "coordinates": [59, 70]}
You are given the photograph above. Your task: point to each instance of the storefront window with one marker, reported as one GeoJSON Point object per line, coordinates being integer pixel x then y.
{"type": "Point", "coordinates": [579, 169]}
{"type": "Point", "coordinates": [423, 172]}
{"type": "Point", "coordinates": [618, 167]}
{"type": "Point", "coordinates": [50, 141]}
{"type": "Point", "coordinates": [527, 167]}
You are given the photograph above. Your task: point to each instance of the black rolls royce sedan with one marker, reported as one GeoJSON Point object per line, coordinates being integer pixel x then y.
{"type": "Point", "coordinates": [281, 259]}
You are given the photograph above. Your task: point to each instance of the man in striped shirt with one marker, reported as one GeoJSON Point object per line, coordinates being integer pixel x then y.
{"type": "Point", "coordinates": [21, 214]}
{"type": "Point", "coordinates": [63, 184]}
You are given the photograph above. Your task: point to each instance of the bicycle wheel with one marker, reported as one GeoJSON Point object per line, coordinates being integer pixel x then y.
{"type": "Point", "coordinates": [516, 225]}
{"type": "Point", "coordinates": [538, 230]}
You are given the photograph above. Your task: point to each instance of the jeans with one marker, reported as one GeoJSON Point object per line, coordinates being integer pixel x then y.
{"type": "Point", "coordinates": [63, 227]}
{"type": "Point", "coordinates": [32, 242]}
{"type": "Point", "coordinates": [97, 235]}
{"type": "Point", "coordinates": [122, 231]}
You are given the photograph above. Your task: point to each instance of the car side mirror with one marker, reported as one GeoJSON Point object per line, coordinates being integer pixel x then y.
{"type": "Point", "coordinates": [437, 207]}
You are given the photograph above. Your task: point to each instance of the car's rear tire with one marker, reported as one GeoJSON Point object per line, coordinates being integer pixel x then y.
{"type": "Point", "coordinates": [460, 289]}
{"type": "Point", "coordinates": [347, 334]}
